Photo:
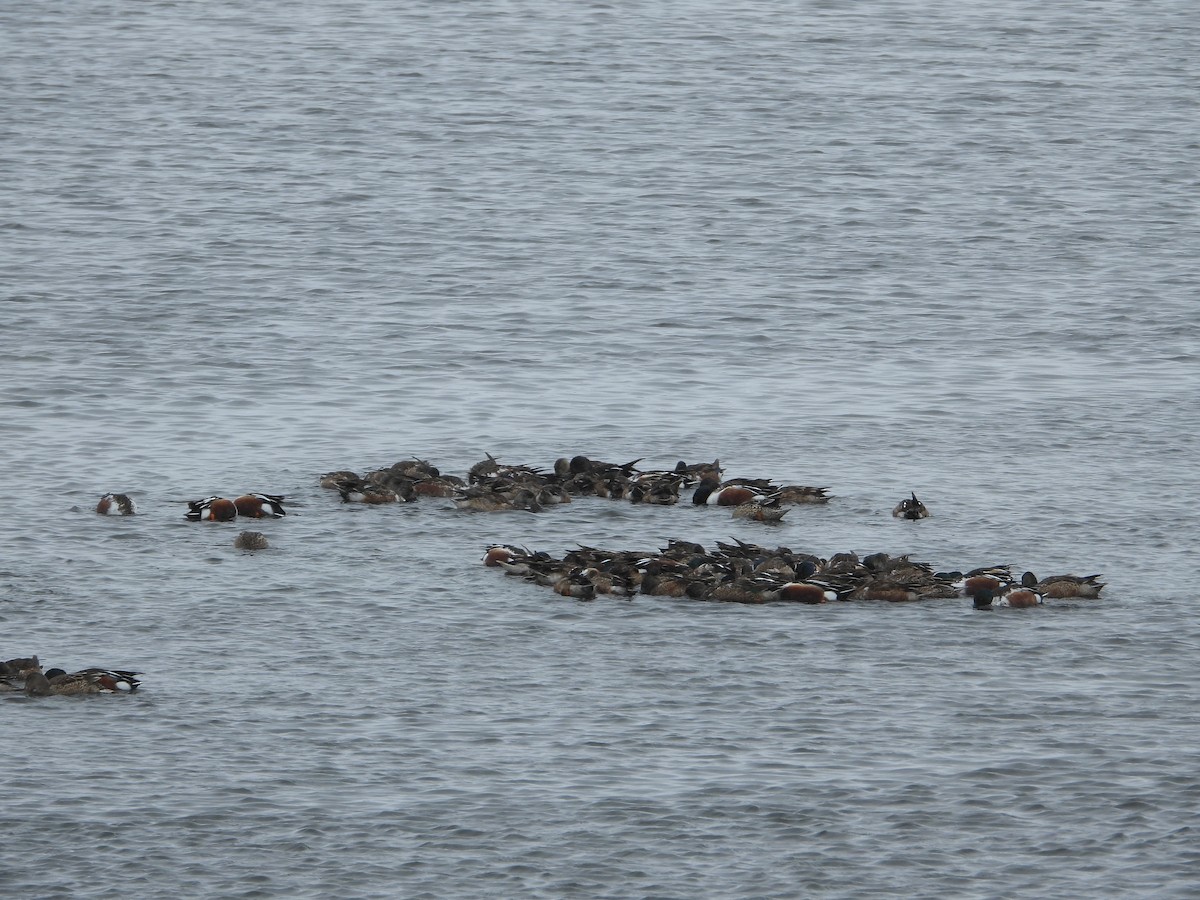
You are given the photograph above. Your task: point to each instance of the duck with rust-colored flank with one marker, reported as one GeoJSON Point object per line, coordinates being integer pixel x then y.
{"type": "Point", "coordinates": [93, 680]}
{"type": "Point", "coordinates": [260, 506]}
{"type": "Point", "coordinates": [438, 486]}
{"type": "Point", "coordinates": [996, 579]}
{"type": "Point", "coordinates": [501, 553]}
{"type": "Point", "coordinates": [1021, 597]}
{"type": "Point", "coordinates": [211, 509]}
{"type": "Point", "coordinates": [911, 509]}
{"type": "Point", "coordinates": [116, 505]}
{"type": "Point", "coordinates": [711, 492]}
{"type": "Point", "coordinates": [1014, 597]}
{"type": "Point", "coordinates": [804, 592]}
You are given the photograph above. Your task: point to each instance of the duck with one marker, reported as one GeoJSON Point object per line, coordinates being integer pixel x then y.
{"type": "Point", "coordinates": [760, 509]}
{"type": "Point", "coordinates": [260, 506]}
{"type": "Point", "coordinates": [1021, 597]}
{"type": "Point", "coordinates": [1058, 587]}
{"type": "Point", "coordinates": [497, 500]}
{"type": "Point", "coordinates": [996, 579]}
{"type": "Point", "coordinates": [1013, 598]}
{"type": "Point", "coordinates": [802, 493]}
{"type": "Point", "coordinates": [331, 480]}
{"type": "Point", "coordinates": [811, 592]}
{"type": "Point", "coordinates": [93, 680]}
{"type": "Point", "coordinates": [887, 590]}
{"type": "Point", "coordinates": [116, 505]}
{"type": "Point", "coordinates": [211, 509]}
{"type": "Point", "coordinates": [982, 601]}
{"type": "Point", "coordinates": [495, 554]}
{"type": "Point", "coordinates": [656, 489]}
{"type": "Point", "coordinates": [693, 473]}
{"type": "Point", "coordinates": [575, 584]}
{"type": "Point", "coordinates": [739, 589]}
{"type": "Point", "coordinates": [251, 540]}
{"type": "Point", "coordinates": [21, 667]}
{"type": "Point", "coordinates": [912, 509]}
{"type": "Point", "coordinates": [438, 485]}
{"type": "Point", "coordinates": [361, 491]}
{"type": "Point", "coordinates": [711, 492]}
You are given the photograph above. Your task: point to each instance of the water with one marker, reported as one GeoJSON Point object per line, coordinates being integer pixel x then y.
{"type": "Point", "coordinates": [948, 249]}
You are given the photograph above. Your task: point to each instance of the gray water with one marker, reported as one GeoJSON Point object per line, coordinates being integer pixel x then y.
{"type": "Point", "coordinates": [886, 247]}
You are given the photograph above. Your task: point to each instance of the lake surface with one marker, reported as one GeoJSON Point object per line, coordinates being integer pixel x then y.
{"type": "Point", "coordinates": [949, 249]}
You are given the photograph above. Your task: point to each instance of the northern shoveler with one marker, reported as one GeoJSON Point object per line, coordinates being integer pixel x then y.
{"type": "Point", "coordinates": [711, 492]}
{"type": "Point", "coordinates": [211, 509]}
{"type": "Point", "coordinates": [260, 506]}
{"type": "Point", "coordinates": [805, 592]}
{"type": "Point", "coordinates": [912, 509]}
{"type": "Point", "coordinates": [1021, 597]}
{"type": "Point", "coordinates": [996, 579]}
{"type": "Point", "coordinates": [116, 505]}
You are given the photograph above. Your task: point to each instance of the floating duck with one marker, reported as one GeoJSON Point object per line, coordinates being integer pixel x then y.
{"type": "Point", "coordinates": [912, 509]}
{"type": "Point", "coordinates": [211, 509]}
{"type": "Point", "coordinates": [260, 506]}
{"type": "Point", "coordinates": [251, 540]}
{"type": "Point", "coordinates": [116, 505]}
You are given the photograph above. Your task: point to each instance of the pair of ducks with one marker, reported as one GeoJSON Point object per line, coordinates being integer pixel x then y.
{"type": "Point", "coordinates": [223, 509]}
{"type": "Point", "coordinates": [987, 591]}
{"type": "Point", "coordinates": [757, 499]}
{"type": "Point", "coordinates": [53, 682]}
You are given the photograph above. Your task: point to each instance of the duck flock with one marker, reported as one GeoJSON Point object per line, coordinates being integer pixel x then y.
{"type": "Point", "coordinates": [737, 572]}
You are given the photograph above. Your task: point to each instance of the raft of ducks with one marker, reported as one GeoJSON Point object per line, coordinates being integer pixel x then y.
{"type": "Point", "coordinates": [741, 572]}
{"type": "Point", "coordinates": [26, 674]}
{"type": "Point", "coordinates": [492, 486]}
{"type": "Point", "coordinates": [736, 572]}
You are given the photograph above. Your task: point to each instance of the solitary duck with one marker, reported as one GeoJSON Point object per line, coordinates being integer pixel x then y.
{"type": "Point", "coordinates": [116, 505]}
{"type": "Point", "coordinates": [911, 509]}
{"type": "Point", "coordinates": [251, 540]}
